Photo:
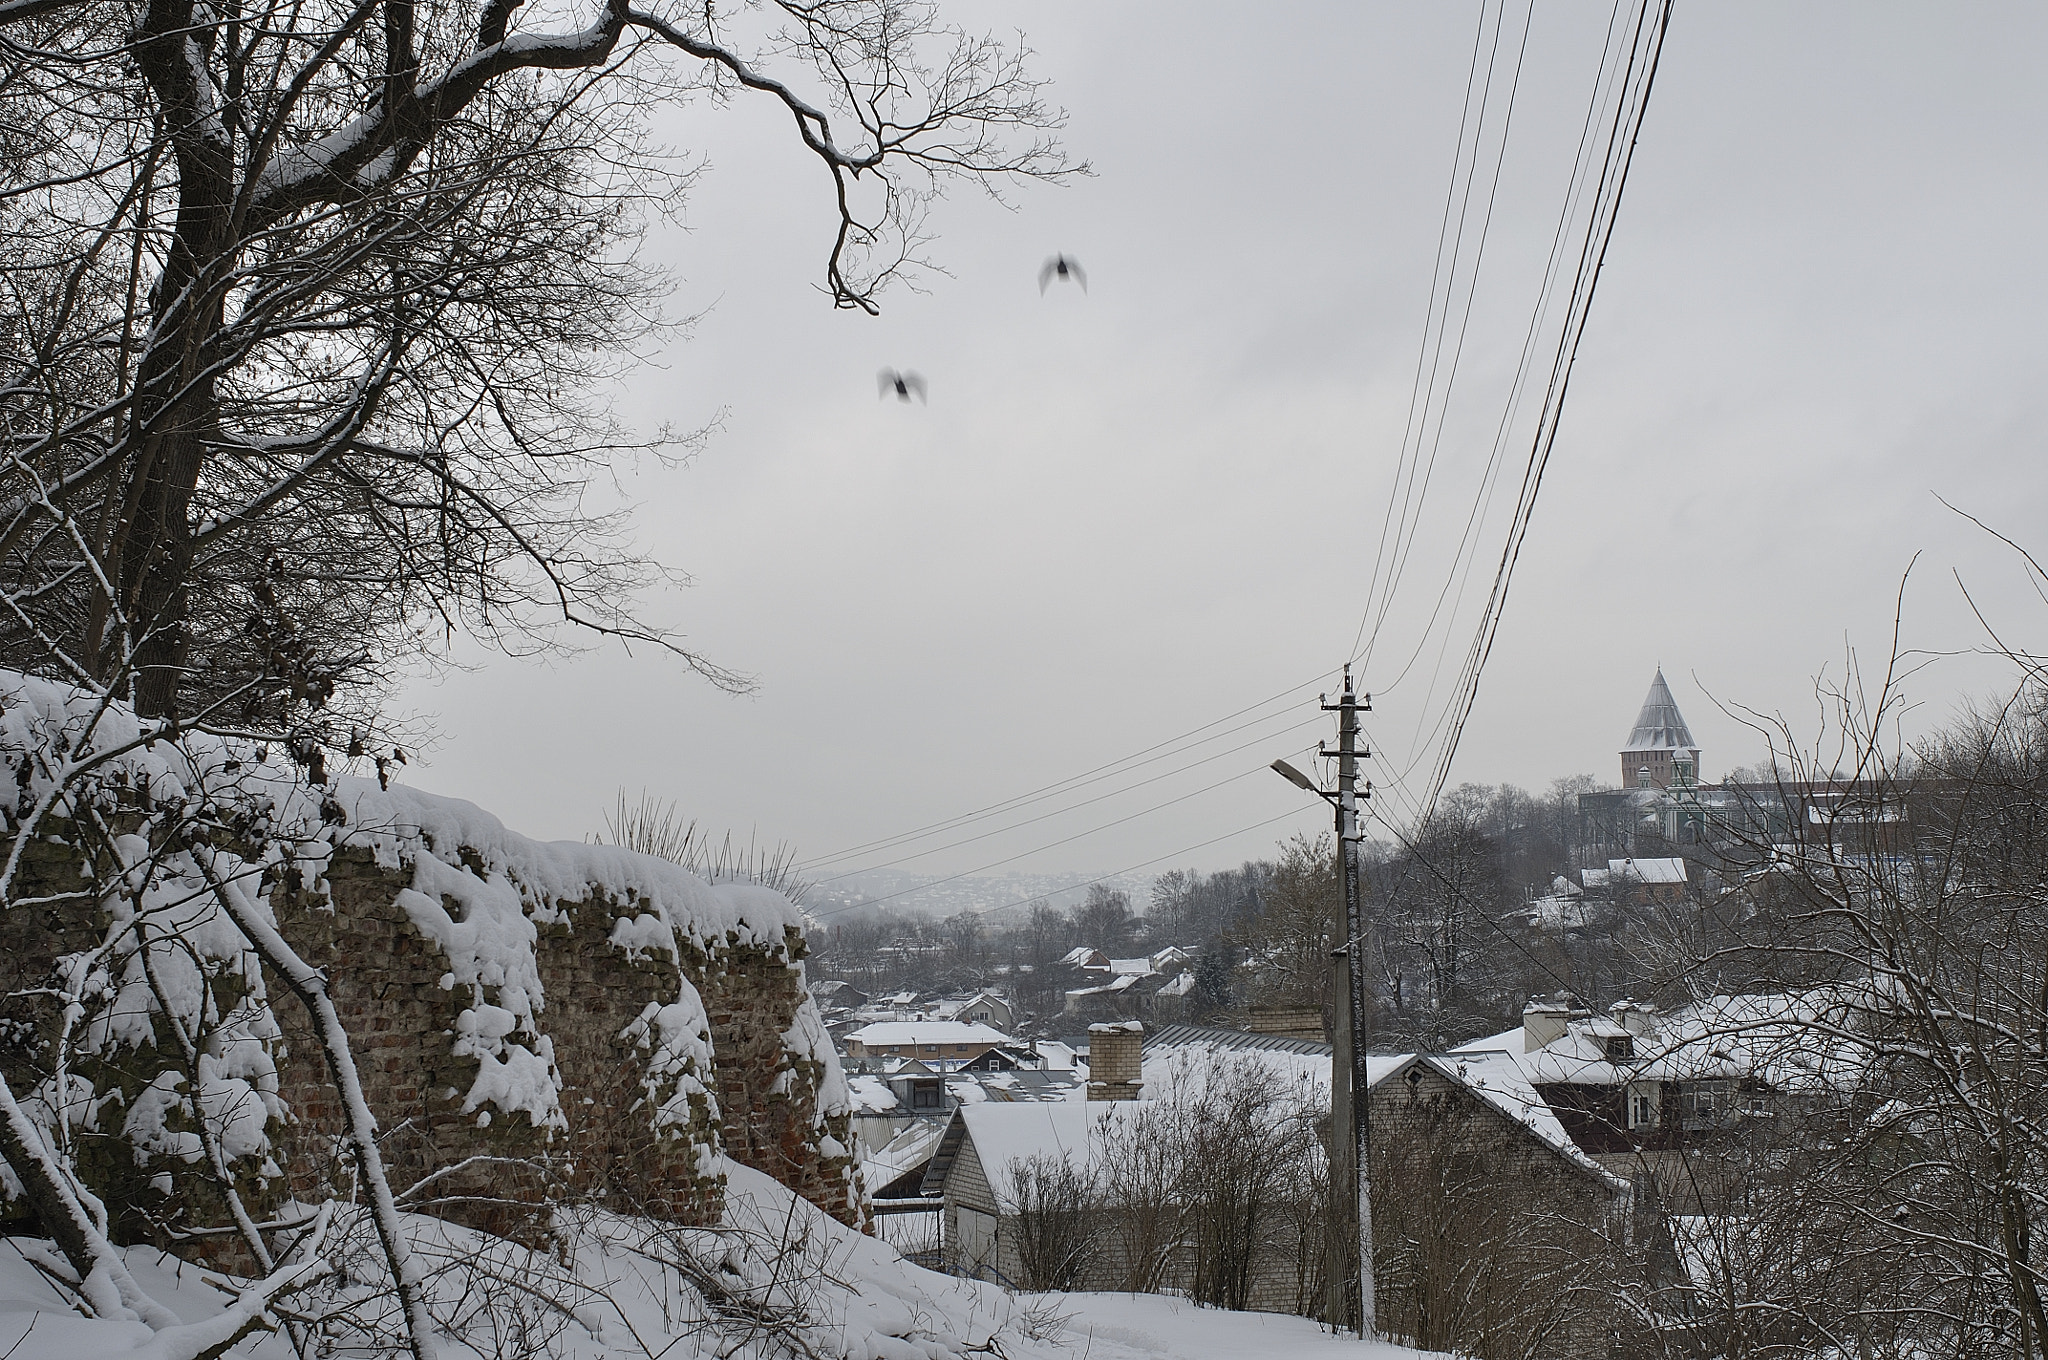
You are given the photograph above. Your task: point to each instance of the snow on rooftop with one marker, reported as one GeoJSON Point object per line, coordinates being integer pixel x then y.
{"type": "Point", "coordinates": [1660, 726]}
{"type": "Point", "coordinates": [870, 1094]}
{"type": "Point", "coordinates": [1498, 1077]}
{"type": "Point", "coordinates": [890, 1033]}
{"type": "Point", "coordinates": [1667, 870]}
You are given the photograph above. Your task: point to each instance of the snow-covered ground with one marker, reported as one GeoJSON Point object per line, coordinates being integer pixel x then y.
{"type": "Point", "coordinates": [1128, 1326]}
{"type": "Point", "coordinates": [777, 1279]}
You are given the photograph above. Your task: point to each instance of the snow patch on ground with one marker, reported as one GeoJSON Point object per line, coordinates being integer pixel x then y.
{"type": "Point", "coordinates": [612, 1292]}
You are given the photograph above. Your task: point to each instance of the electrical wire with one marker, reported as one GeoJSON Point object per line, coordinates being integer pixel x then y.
{"type": "Point", "coordinates": [1064, 840]}
{"type": "Point", "coordinates": [1389, 549]}
{"type": "Point", "coordinates": [1622, 143]}
{"type": "Point", "coordinates": [1260, 740]}
{"type": "Point", "coordinates": [1057, 787]}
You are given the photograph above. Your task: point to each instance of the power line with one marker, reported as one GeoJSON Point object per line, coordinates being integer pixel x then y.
{"type": "Point", "coordinates": [1443, 404]}
{"type": "Point", "coordinates": [1071, 807]}
{"type": "Point", "coordinates": [1404, 465]}
{"type": "Point", "coordinates": [1065, 840]}
{"type": "Point", "coordinates": [1621, 156]}
{"type": "Point", "coordinates": [1605, 79]}
{"type": "Point", "coordinates": [1066, 785]}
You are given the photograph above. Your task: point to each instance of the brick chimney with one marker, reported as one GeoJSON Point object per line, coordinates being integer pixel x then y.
{"type": "Point", "coordinates": [1288, 1022]}
{"type": "Point", "coordinates": [1115, 1054]}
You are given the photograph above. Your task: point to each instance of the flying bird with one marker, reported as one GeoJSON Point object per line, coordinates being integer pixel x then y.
{"type": "Point", "coordinates": [1063, 268]}
{"type": "Point", "coordinates": [902, 384]}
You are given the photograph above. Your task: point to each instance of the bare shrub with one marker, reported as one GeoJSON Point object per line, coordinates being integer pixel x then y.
{"type": "Point", "coordinates": [1053, 1202]}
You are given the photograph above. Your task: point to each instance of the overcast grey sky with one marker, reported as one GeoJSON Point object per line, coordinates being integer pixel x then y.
{"type": "Point", "coordinates": [1130, 513]}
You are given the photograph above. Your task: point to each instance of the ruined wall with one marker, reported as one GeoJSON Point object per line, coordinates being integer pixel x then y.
{"type": "Point", "coordinates": [530, 1024]}
{"type": "Point", "coordinates": [759, 1103]}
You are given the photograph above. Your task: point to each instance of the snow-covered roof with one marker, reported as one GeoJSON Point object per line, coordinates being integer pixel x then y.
{"type": "Point", "coordinates": [890, 1033]}
{"type": "Point", "coordinates": [1667, 870]}
{"type": "Point", "coordinates": [1131, 967]}
{"type": "Point", "coordinates": [1006, 1133]}
{"type": "Point", "coordinates": [1496, 1075]}
{"type": "Point", "coordinates": [907, 1149]}
{"type": "Point", "coordinates": [1660, 726]}
{"type": "Point", "coordinates": [1557, 912]}
{"type": "Point", "coordinates": [1056, 1056]}
{"type": "Point", "coordinates": [870, 1094]}
{"type": "Point", "coordinates": [1789, 1041]}
{"type": "Point", "coordinates": [1122, 984]}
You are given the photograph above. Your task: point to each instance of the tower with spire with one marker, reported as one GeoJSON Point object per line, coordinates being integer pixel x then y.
{"type": "Point", "coordinates": [1659, 740]}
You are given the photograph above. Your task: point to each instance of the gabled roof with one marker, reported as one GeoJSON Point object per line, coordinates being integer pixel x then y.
{"type": "Point", "coordinates": [1497, 1077]}
{"type": "Point", "coordinates": [1660, 726]}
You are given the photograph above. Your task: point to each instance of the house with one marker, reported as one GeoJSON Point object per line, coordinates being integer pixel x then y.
{"type": "Point", "coordinates": [1462, 1141]}
{"type": "Point", "coordinates": [1107, 988]}
{"type": "Point", "coordinates": [948, 1043]}
{"type": "Point", "coordinates": [904, 1093]}
{"type": "Point", "coordinates": [834, 994]}
{"type": "Point", "coordinates": [1663, 1099]}
{"type": "Point", "coordinates": [983, 1008]}
{"type": "Point", "coordinates": [1642, 880]}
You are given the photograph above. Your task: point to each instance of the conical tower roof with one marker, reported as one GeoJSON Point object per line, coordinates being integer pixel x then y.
{"type": "Point", "coordinates": [1660, 726]}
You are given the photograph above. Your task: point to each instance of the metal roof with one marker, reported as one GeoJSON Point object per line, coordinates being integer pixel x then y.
{"type": "Point", "coordinates": [1174, 1036]}
{"type": "Point", "coordinates": [1660, 726]}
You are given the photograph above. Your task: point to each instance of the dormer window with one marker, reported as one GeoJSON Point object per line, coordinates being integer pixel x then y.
{"type": "Point", "coordinates": [1621, 1048]}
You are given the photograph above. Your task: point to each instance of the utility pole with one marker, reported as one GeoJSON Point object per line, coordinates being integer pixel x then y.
{"type": "Point", "coordinates": [1349, 1300]}
{"type": "Point", "coordinates": [1350, 1003]}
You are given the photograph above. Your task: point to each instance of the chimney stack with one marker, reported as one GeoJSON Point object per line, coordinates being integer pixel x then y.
{"type": "Point", "coordinates": [1636, 1017]}
{"type": "Point", "coordinates": [1289, 1022]}
{"type": "Point", "coordinates": [1544, 1022]}
{"type": "Point", "coordinates": [1115, 1060]}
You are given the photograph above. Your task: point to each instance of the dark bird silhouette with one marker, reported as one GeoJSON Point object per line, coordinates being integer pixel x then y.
{"type": "Point", "coordinates": [903, 384]}
{"type": "Point", "coordinates": [1064, 268]}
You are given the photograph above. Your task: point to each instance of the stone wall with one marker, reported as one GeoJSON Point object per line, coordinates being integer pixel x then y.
{"type": "Point", "coordinates": [391, 984]}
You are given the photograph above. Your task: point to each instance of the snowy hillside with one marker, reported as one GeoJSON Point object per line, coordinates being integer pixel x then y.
{"type": "Point", "coordinates": [777, 1279]}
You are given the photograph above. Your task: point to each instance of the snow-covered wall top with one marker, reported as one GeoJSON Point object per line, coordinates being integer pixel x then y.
{"type": "Point", "coordinates": [509, 919]}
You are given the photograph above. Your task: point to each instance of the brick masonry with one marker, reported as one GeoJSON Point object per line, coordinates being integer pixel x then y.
{"type": "Point", "coordinates": [501, 1174]}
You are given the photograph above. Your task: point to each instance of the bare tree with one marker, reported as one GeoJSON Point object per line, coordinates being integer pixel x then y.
{"type": "Point", "coordinates": [307, 305]}
{"type": "Point", "coordinates": [1290, 938]}
{"type": "Point", "coordinates": [1901, 915]}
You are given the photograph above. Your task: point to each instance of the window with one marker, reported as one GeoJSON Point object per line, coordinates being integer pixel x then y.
{"type": "Point", "coordinates": [1642, 1109]}
{"type": "Point", "coordinates": [1620, 1047]}
{"type": "Point", "coordinates": [931, 1048]}
{"type": "Point", "coordinates": [926, 1095]}
{"type": "Point", "coordinates": [1707, 1104]}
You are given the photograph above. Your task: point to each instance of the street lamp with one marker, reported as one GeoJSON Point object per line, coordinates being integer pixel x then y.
{"type": "Point", "coordinates": [1296, 777]}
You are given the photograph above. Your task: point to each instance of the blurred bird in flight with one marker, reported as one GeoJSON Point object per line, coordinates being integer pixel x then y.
{"type": "Point", "coordinates": [903, 384]}
{"type": "Point", "coordinates": [1065, 268]}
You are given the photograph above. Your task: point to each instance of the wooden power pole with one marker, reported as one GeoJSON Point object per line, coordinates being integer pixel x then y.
{"type": "Point", "coordinates": [1348, 1278]}
{"type": "Point", "coordinates": [1349, 1004]}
